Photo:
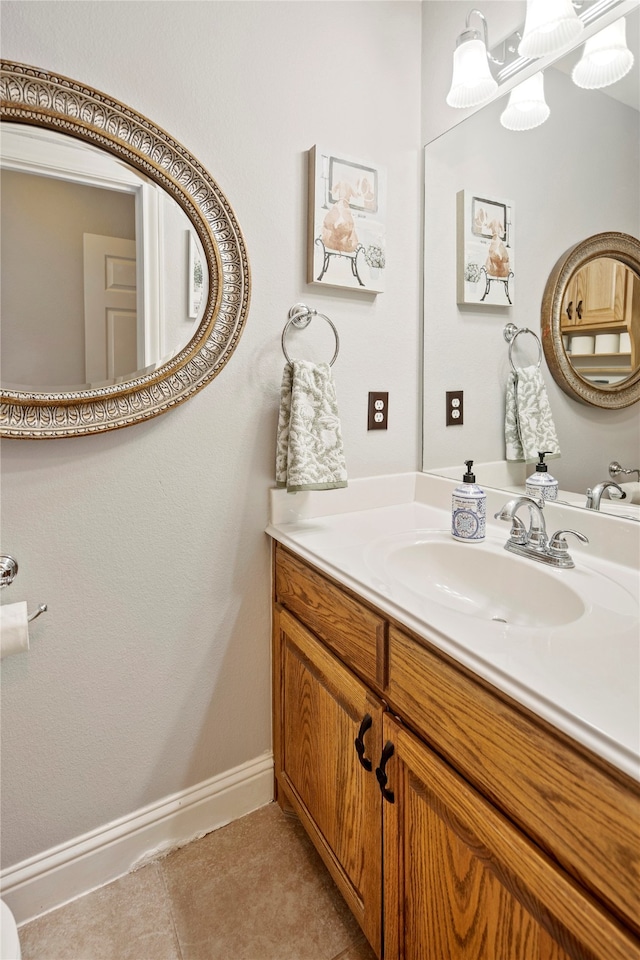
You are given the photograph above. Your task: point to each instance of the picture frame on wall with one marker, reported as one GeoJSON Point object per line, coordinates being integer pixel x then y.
{"type": "Point", "coordinates": [485, 250]}
{"type": "Point", "coordinates": [195, 274]}
{"type": "Point", "coordinates": [347, 222]}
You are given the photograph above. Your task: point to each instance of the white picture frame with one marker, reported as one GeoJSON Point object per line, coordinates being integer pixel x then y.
{"type": "Point", "coordinates": [347, 222]}
{"type": "Point", "coordinates": [485, 250]}
{"type": "Point", "coordinates": [195, 278]}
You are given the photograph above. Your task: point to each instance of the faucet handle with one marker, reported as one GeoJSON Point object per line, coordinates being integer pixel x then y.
{"type": "Point", "coordinates": [558, 545]}
{"type": "Point", "coordinates": [518, 532]}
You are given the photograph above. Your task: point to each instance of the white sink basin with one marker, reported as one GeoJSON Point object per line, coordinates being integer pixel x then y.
{"type": "Point", "coordinates": [479, 579]}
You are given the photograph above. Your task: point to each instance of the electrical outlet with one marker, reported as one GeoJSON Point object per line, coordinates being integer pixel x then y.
{"type": "Point", "coordinates": [455, 408]}
{"type": "Point", "coordinates": [378, 411]}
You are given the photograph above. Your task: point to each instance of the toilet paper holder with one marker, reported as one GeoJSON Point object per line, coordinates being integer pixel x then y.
{"type": "Point", "coordinates": [616, 470]}
{"type": "Point", "coordinates": [8, 573]}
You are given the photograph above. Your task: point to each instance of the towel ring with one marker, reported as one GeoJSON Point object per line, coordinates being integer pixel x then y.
{"type": "Point", "coordinates": [511, 332]}
{"type": "Point", "coordinates": [300, 315]}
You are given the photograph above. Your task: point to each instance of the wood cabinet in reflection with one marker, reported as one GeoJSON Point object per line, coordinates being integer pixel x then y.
{"type": "Point", "coordinates": [602, 294]}
{"type": "Point", "coordinates": [603, 297]}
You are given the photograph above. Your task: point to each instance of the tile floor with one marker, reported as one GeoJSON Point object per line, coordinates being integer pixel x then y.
{"type": "Point", "coordinates": [253, 890]}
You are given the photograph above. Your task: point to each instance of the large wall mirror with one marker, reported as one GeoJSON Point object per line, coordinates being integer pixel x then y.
{"type": "Point", "coordinates": [572, 178]}
{"type": "Point", "coordinates": [125, 278]}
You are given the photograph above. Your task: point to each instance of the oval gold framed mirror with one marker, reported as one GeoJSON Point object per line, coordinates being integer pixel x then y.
{"type": "Point", "coordinates": [591, 320]}
{"type": "Point", "coordinates": [212, 286]}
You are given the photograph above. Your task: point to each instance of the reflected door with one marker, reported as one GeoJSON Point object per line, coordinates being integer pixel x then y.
{"type": "Point", "coordinates": [110, 315]}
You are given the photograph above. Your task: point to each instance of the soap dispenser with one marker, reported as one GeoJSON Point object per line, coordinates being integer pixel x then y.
{"type": "Point", "coordinates": [468, 509]}
{"type": "Point", "coordinates": [541, 484]}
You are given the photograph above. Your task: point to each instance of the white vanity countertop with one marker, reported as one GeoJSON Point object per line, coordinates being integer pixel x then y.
{"type": "Point", "coordinates": [582, 676]}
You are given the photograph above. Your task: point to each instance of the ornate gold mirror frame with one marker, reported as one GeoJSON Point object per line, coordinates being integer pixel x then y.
{"type": "Point", "coordinates": [615, 246]}
{"type": "Point", "coordinates": [32, 96]}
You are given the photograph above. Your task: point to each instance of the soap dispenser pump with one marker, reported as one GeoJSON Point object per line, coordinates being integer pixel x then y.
{"type": "Point", "coordinates": [468, 509]}
{"type": "Point", "coordinates": [541, 484]}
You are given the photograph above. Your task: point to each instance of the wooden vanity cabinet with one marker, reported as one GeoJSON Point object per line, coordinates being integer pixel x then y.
{"type": "Point", "coordinates": [479, 833]}
{"type": "Point", "coordinates": [322, 709]}
{"type": "Point", "coordinates": [461, 882]}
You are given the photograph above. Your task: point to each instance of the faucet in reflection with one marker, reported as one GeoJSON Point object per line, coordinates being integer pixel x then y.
{"type": "Point", "coordinates": [594, 496]}
{"type": "Point", "coordinates": [534, 542]}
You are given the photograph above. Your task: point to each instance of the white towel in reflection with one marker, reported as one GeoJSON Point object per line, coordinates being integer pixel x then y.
{"type": "Point", "coordinates": [309, 452]}
{"type": "Point", "coordinates": [528, 425]}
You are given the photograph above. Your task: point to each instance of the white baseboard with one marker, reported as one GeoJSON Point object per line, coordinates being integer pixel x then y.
{"type": "Point", "coordinates": [71, 869]}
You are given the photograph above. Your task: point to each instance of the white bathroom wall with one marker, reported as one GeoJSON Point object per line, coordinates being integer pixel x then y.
{"type": "Point", "coordinates": [150, 671]}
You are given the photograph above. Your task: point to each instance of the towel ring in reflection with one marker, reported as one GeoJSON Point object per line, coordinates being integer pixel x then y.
{"type": "Point", "coordinates": [511, 332]}
{"type": "Point", "coordinates": [300, 315]}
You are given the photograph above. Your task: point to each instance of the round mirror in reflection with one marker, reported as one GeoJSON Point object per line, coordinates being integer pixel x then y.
{"type": "Point", "coordinates": [103, 275]}
{"type": "Point", "coordinates": [591, 320]}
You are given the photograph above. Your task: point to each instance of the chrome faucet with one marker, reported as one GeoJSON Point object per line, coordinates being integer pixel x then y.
{"type": "Point", "coordinates": [535, 538]}
{"type": "Point", "coordinates": [534, 542]}
{"type": "Point", "coordinates": [595, 496]}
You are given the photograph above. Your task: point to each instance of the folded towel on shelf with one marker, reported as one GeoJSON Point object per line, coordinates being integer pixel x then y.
{"type": "Point", "coordinates": [528, 426]}
{"type": "Point", "coordinates": [309, 451]}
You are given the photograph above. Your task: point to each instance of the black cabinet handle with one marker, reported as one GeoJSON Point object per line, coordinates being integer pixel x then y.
{"type": "Point", "coordinates": [366, 724]}
{"type": "Point", "coordinates": [570, 309]}
{"type": "Point", "coordinates": [387, 752]}
{"type": "Point", "coordinates": [579, 310]}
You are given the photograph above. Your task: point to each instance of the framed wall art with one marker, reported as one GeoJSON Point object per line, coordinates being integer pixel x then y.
{"type": "Point", "coordinates": [347, 222]}
{"type": "Point", "coordinates": [485, 254]}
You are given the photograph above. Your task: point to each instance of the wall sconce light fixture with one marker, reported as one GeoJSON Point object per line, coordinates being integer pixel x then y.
{"type": "Point", "coordinates": [550, 26]}
{"type": "Point", "coordinates": [472, 83]}
{"type": "Point", "coordinates": [605, 58]}
{"type": "Point", "coordinates": [527, 107]}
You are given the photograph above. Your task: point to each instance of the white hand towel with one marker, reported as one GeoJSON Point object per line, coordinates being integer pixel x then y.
{"type": "Point", "coordinates": [529, 426]}
{"type": "Point", "coordinates": [309, 453]}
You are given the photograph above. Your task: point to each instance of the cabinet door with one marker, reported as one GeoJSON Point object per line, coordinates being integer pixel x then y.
{"type": "Point", "coordinates": [574, 295]}
{"type": "Point", "coordinates": [462, 883]}
{"type": "Point", "coordinates": [602, 300]}
{"type": "Point", "coordinates": [328, 779]}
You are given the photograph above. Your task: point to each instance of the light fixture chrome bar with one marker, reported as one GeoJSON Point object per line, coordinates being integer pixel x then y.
{"type": "Point", "coordinates": [589, 14]}
{"type": "Point", "coordinates": [595, 10]}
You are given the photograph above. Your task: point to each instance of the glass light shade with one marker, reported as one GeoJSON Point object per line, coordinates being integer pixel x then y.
{"type": "Point", "coordinates": [605, 58]}
{"type": "Point", "coordinates": [550, 25]}
{"type": "Point", "coordinates": [527, 107]}
{"type": "Point", "coordinates": [472, 83]}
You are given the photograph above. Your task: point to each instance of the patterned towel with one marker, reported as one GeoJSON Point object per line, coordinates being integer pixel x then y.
{"type": "Point", "coordinates": [309, 453]}
{"type": "Point", "coordinates": [528, 425]}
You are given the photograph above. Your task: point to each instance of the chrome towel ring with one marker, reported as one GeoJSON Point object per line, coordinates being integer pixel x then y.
{"type": "Point", "coordinates": [300, 315]}
{"type": "Point", "coordinates": [511, 332]}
